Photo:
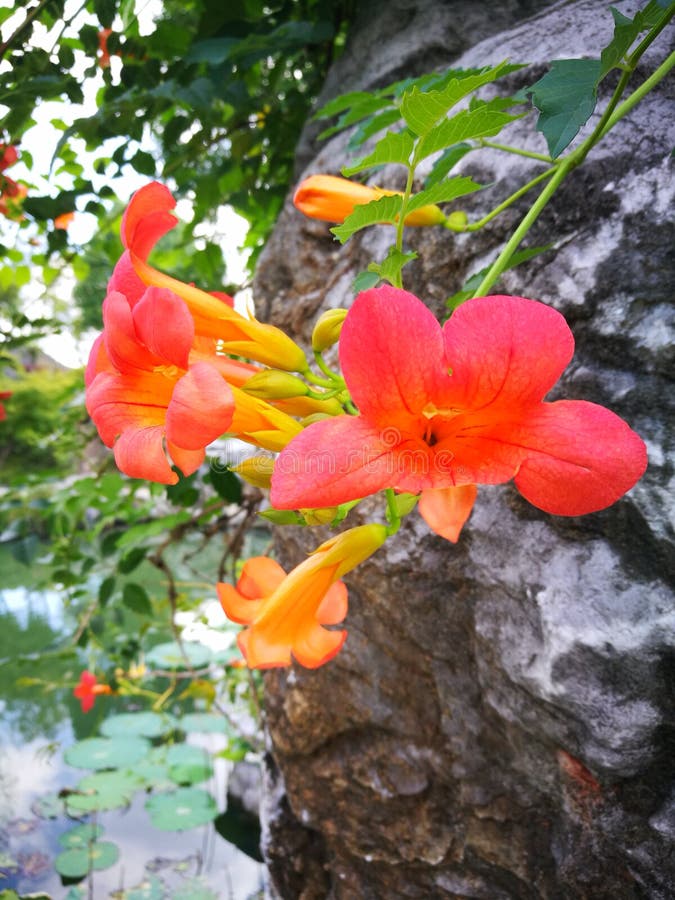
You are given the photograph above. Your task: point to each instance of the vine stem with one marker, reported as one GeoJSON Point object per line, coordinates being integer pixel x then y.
{"type": "Point", "coordinates": [612, 114]}
{"type": "Point", "coordinates": [530, 154]}
{"type": "Point", "coordinates": [400, 225]}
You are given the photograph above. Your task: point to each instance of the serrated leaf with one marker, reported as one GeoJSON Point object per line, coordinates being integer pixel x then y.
{"type": "Point", "coordinates": [339, 104]}
{"type": "Point", "coordinates": [364, 281]}
{"type": "Point", "coordinates": [391, 266]}
{"type": "Point", "coordinates": [484, 120]}
{"type": "Point", "coordinates": [447, 161]}
{"type": "Point", "coordinates": [383, 211]}
{"type": "Point", "coordinates": [625, 32]}
{"type": "Point", "coordinates": [565, 97]}
{"type": "Point", "coordinates": [372, 125]}
{"type": "Point", "coordinates": [423, 109]}
{"type": "Point", "coordinates": [394, 147]}
{"type": "Point", "coordinates": [136, 598]}
{"type": "Point", "coordinates": [356, 113]}
{"type": "Point", "coordinates": [443, 192]}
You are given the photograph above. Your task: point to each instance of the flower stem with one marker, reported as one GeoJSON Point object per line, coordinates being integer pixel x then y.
{"type": "Point", "coordinates": [474, 226]}
{"type": "Point", "coordinates": [393, 516]}
{"type": "Point", "coordinates": [507, 149]}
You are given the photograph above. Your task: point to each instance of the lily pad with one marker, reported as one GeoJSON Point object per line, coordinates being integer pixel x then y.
{"type": "Point", "coordinates": [77, 861]}
{"type": "Point", "coordinates": [194, 890]}
{"type": "Point", "coordinates": [181, 809]}
{"type": "Point", "coordinates": [173, 656]}
{"type": "Point", "coordinates": [106, 753]}
{"type": "Point", "coordinates": [153, 774]}
{"type": "Point", "coordinates": [103, 790]}
{"type": "Point", "coordinates": [205, 722]}
{"type": "Point", "coordinates": [188, 764]}
{"type": "Point", "coordinates": [80, 836]}
{"type": "Point", "coordinates": [151, 888]}
{"type": "Point", "coordinates": [48, 806]}
{"type": "Point", "coordinates": [144, 724]}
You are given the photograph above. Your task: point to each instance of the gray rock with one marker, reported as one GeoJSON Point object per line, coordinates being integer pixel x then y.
{"type": "Point", "coordinates": [500, 722]}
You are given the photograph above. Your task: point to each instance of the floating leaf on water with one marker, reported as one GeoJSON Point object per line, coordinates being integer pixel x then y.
{"type": "Point", "coordinates": [8, 865]}
{"type": "Point", "coordinates": [106, 753]}
{"type": "Point", "coordinates": [76, 893]}
{"type": "Point", "coordinates": [154, 775]}
{"type": "Point", "coordinates": [103, 790]}
{"type": "Point", "coordinates": [172, 656]}
{"type": "Point", "coordinates": [205, 722]}
{"type": "Point", "coordinates": [194, 890]}
{"type": "Point", "coordinates": [188, 764]}
{"type": "Point", "coordinates": [77, 861]}
{"type": "Point", "coordinates": [49, 806]}
{"type": "Point", "coordinates": [151, 888]}
{"type": "Point", "coordinates": [181, 809]}
{"type": "Point", "coordinates": [80, 835]}
{"type": "Point", "coordinates": [143, 724]}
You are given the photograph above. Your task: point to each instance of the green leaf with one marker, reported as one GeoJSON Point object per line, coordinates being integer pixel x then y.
{"type": "Point", "coordinates": [181, 809]}
{"type": "Point", "coordinates": [447, 161]}
{"type": "Point", "coordinates": [474, 281]}
{"type": "Point", "coordinates": [106, 753]}
{"type": "Point", "coordinates": [390, 267]}
{"type": "Point", "coordinates": [626, 31]}
{"type": "Point", "coordinates": [194, 889]}
{"type": "Point", "coordinates": [80, 835]}
{"type": "Point", "coordinates": [372, 125]}
{"type": "Point", "coordinates": [344, 101]}
{"type": "Point", "coordinates": [565, 97]}
{"type": "Point", "coordinates": [48, 806]}
{"type": "Point", "coordinates": [282, 517]}
{"type": "Point", "coordinates": [106, 589]}
{"type": "Point", "coordinates": [205, 722]}
{"type": "Point", "coordinates": [170, 656]}
{"type": "Point", "coordinates": [423, 109]}
{"type": "Point", "coordinates": [482, 120]}
{"type": "Point", "coordinates": [135, 598]}
{"type": "Point", "coordinates": [131, 560]}
{"type": "Point", "coordinates": [226, 483]}
{"type": "Point", "coordinates": [140, 533]}
{"type": "Point", "coordinates": [364, 281]}
{"type": "Point", "coordinates": [143, 724]}
{"type": "Point", "coordinates": [383, 211]}
{"type": "Point", "coordinates": [394, 147]}
{"type": "Point", "coordinates": [188, 765]}
{"type": "Point", "coordinates": [103, 791]}
{"type": "Point", "coordinates": [357, 112]}
{"type": "Point", "coordinates": [443, 192]}
{"type": "Point", "coordinates": [77, 862]}
{"type": "Point", "coordinates": [151, 888]}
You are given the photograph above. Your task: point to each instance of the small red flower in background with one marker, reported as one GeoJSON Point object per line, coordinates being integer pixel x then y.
{"type": "Point", "coordinates": [11, 192]}
{"type": "Point", "coordinates": [4, 395]}
{"type": "Point", "coordinates": [88, 689]}
{"type": "Point", "coordinates": [103, 52]}
{"type": "Point", "coordinates": [62, 222]}
{"type": "Point", "coordinates": [444, 409]}
{"type": "Point", "coordinates": [8, 156]}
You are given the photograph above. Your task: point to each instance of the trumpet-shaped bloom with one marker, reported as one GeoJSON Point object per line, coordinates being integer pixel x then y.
{"type": "Point", "coordinates": [147, 218]}
{"type": "Point", "coordinates": [442, 409]}
{"type": "Point", "coordinates": [88, 689]}
{"type": "Point", "coordinates": [146, 395]}
{"type": "Point", "coordinates": [63, 222]}
{"type": "Point", "coordinates": [286, 613]}
{"type": "Point", "coordinates": [331, 199]}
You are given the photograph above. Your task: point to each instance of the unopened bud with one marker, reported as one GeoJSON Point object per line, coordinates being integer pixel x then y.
{"type": "Point", "coordinates": [315, 417]}
{"type": "Point", "coordinates": [256, 470]}
{"type": "Point", "coordinates": [274, 385]}
{"type": "Point", "coordinates": [319, 516]}
{"type": "Point", "coordinates": [327, 329]}
{"type": "Point", "coordinates": [457, 221]}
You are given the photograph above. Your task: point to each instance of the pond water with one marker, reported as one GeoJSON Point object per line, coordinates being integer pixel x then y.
{"type": "Point", "coordinates": [37, 725]}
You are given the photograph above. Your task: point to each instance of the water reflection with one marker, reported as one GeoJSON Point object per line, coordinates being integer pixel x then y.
{"type": "Point", "coordinates": [37, 724]}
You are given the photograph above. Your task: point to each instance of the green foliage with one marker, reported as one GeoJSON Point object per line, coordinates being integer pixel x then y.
{"type": "Point", "coordinates": [383, 211]}
{"type": "Point", "coordinates": [78, 861]}
{"type": "Point", "coordinates": [471, 284]}
{"type": "Point", "coordinates": [181, 809]}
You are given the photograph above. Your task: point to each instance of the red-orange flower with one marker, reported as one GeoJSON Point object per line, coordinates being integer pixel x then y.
{"type": "Point", "coordinates": [103, 52]}
{"type": "Point", "coordinates": [88, 689]}
{"type": "Point", "coordinates": [147, 218]}
{"type": "Point", "coordinates": [11, 192]}
{"type": "Point", "coordinates": [441, 410]}
{"type": "Point", "coordinates": [62, 222]}
{"type": "Point", "coordinates": [4, 395]}
{"type": "Point", "coordinates": [331, 199]}
{"type": "Point", "coordinates": [146, 395]}
{"type": "Point", "coordinates": [285, 613]}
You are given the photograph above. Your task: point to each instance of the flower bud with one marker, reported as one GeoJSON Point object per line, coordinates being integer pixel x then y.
{"type": "Point", "coordinates": [457, 221]}
{"type": "Point", "coordinates": [319, 516]}
{"type": "Point", "coordinates": [327, 329]}
{"type": "Point", "coordinates": [256, 470]}
{"type": "Point", "coordinates": [274, 385]}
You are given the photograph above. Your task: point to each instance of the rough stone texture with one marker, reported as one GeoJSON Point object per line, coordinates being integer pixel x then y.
{"type": "Point", "coordinates": [500, 723]}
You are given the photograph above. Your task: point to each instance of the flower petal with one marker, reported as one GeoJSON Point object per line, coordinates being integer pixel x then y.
{"type": "Point", "coordinates": [122, 343]}
{"type": "Point", "coordinates": [164, 324]}
{"type": "Point", "coordinates": [260, 576]}
{"type": "Point", "coordinates": [332, 462]}
{"type": "Point", "coordinates": [117, 402]}
{"type": "Point", "coordinates": [201, 408]}
{"type": "Point", "coordinates": [581, 458]}
{"type": "Point", "coordinates": [236, 606]}
{"type": "Point", "coordinates": [188, 461]}
{"type": "Point", "coordinates": [315, 645]}
{"type": "Point", "coordinates": [125, 280]}
{"type": "Point", "coordinates": [139, 453]}
{"type": "Point", "coordinates": [333, 607]}
{"type": "Point", "coordinates": [391, 353]}
{"type": "Point", "coordinates": [446, 510]}
{"type": "Point", "coordinates": [147, 218]}
{"type": "Point", "coordinates": [505, 350]}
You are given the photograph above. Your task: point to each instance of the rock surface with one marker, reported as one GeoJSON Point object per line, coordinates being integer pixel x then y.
{"type": "Point", "coordinates": [500, 723]}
